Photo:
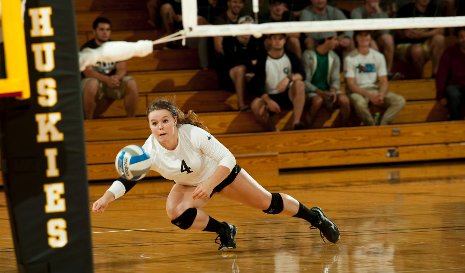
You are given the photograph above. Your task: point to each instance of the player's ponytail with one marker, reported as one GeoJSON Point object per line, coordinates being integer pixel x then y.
{"type": "Point", "coordinates": [170, 106]}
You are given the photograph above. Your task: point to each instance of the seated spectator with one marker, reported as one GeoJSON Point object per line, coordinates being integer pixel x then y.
{"type": "Point", "coordinates": [450, 80]}
{"type": "Point", "coordinates": [210, 9]}
{"type": "Point", "coordinates": [319, 10]}
{"type": "Point", "coordinates": [460, 8]}
{"type": "Point", "coordinates": [237, 65]}
{"type": "Point", "coordinates": [278, 12]}
{"type": "Point", "coordinates": [170, 12]}
{"type": "Point", "coordinates": [152, 8]}
{"type": "Point", "coordinates": [230, 16]}
{"type": "Point", "coordinates": [322, 84]}
{"type": "Point", "coordinates": [417, 46]}
{"type": "Point", "coordinates": [382, 39]}
{"type": "Point", "coordinates": [279, 76]}
{"type": "Point", "coordinates": [207, 11]}
{"type": "Point", "coordinates": [296, 7]}
{"type": "Point", "coordinates": [447, 7]}
{"type": "Point", "coordinates": [366, 78]}
{"type": "Point", "coordinates": [106, 82]}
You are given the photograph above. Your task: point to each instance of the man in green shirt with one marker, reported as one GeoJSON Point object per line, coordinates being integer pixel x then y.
{"type": "Point", "coordinates": [322, 83]}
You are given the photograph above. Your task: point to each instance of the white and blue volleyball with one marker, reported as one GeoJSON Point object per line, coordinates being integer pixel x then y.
{"type": "Point", "coordinates": [132, 162]}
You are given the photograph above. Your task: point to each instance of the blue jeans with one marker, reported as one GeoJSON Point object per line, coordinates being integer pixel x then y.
{"type": "Point", "coordinates": [455, 95]}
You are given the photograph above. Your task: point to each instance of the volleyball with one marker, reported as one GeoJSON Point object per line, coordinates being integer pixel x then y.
{"type": "Point", "coordinates": [132, 162]}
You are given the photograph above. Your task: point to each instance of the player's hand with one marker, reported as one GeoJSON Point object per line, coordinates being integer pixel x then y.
{"type": "Point", "coordinates": [102, 203]}
{"type": "Point", "coordinates": [202, 191]}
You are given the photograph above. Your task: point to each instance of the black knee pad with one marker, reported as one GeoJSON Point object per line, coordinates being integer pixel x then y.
{"type": "Point", "coordinates": [276, 205]}
{"type": "Point", "coordinates": [185, 220]}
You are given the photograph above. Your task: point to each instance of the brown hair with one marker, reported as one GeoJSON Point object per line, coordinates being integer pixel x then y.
{"type": "Point", "coordinates": [170, 106]}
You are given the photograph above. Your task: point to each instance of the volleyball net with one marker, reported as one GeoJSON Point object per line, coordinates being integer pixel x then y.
{"type": "Point", "coordinates": [119, 51]}
{"type": "Point", "coordinates": [192, 29]}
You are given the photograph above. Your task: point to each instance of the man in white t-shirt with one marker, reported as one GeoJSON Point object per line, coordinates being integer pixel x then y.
{"type": "Point", "coordinates": [366, 77]}
{"type": "Point", "coordinates": [279, 80]}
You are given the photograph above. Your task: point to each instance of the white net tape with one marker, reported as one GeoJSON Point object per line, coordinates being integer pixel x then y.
{"type": "Point", "coordinates": [323, 26]}
{"type": "Point", "coordinates": [191, 29]}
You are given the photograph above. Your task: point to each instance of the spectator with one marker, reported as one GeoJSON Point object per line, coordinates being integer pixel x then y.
{"type": "Point", "coordinates": [322, 84]}
{"type": "Point", "coordinates": [448, 7]}
{"type": "Point", "coordinates": [460, 8]}
{"type": "Point", "coordinates": [279, 76]}
{"type": "Point", "coordinates": [152, 8]}
{"type": "Point", "coordinates": [238, 63]}
{"type": "Point", "coordinates": [319, 10]}
{"type": "Point", "coordinates": [170, 15]}
{"type": "Point", "coordinates": [296, 7]}
{"type": "Point", "coordinates": [210, 9]}
{"type": "Point", "coordinates": [230, 16]}
{"type": "Point", "coordinates": [207, 11]}
{"type": "Point", "coordinates": [417, 46]}
{"type": "Point", "coordinates": [382, 40]}
{"type": "Point", "coordinates": [278, 12]}
{"type": "Point", "coordinates": [106, 82]}
{"type": "Point", "coordinates": [170, 12]}
{"type": "Point", "coordinates": [366, 77]}
{"type": "Point", "coordinates": [450, 80]}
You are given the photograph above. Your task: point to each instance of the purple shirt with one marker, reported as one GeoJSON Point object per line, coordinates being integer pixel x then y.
{"type": "Point", "coordinates": [451, 70]}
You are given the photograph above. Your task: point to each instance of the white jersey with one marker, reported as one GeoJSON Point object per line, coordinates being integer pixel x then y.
{"type": "Point", "coordinates": [194, 159]}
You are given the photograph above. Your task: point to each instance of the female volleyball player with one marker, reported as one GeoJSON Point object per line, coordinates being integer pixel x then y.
{"type": "Point", "coordinates": [183, 150]}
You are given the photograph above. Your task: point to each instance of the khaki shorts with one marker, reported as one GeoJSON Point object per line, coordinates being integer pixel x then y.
{"type": "Point", "coordinates": [105, 91]}
{"type": "Point", "coordinates": [402, 50]}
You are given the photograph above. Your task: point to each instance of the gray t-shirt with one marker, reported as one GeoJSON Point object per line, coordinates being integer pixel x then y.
{"type": "Point", "coordinates": [331, 13]}
{"type": "Point", "coordinates": [362, 13]}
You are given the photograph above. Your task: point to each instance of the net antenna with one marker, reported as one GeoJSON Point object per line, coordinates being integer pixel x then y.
{"type": "Point", "coordinates": [16, 83]}
{"type": "Point", "coordinates": [255, 9]}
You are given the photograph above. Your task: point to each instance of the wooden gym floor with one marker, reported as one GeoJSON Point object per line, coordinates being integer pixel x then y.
{"type": "Point", "coordinates": [392, 219]}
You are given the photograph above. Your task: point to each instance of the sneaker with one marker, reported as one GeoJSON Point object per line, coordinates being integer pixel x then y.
{"type": "Point", "coordinates": [299, 126]}
{"type": "Point", "coordinates": [327, 228]}
{"type": "Point", "coordinates": [395, 76]}
{"type": "Point", "coordinates": [244, 108]}
{"type": "Point", "coordinates": [227, 237]}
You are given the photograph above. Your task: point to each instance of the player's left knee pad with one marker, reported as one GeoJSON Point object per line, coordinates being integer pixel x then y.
{"type": "Point", "coordinates": [276, 205]}
{"type": "Point", "coordinates": [186, 219]}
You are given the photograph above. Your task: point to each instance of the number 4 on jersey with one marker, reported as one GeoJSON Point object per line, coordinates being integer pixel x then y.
{"type": "Point", "coordinates": [184, 167]}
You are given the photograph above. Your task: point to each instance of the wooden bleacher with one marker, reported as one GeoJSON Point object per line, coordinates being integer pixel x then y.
{"type": "Point", "coordinates": [318, 148]}
{"type": "Point", "coordinates": [419, 133]}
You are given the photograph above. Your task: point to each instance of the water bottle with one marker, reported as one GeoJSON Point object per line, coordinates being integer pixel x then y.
{"type": "Point", "coordinates": [377, 118]}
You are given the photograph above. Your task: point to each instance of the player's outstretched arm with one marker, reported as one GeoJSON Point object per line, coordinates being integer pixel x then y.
{"type": "Point", "coordinates": [102, 203]}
